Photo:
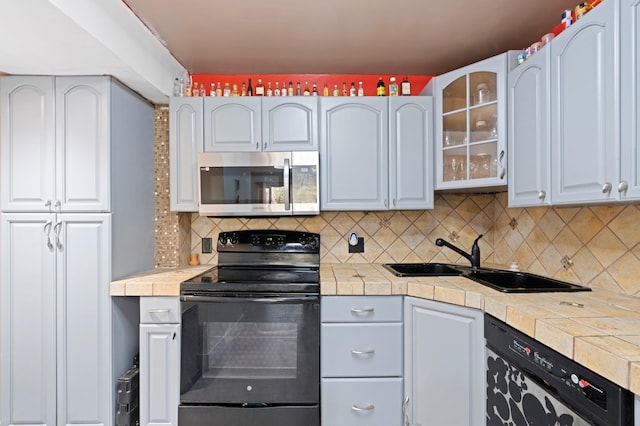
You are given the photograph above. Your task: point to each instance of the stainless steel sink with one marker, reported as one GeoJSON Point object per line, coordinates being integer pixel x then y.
{"type": "Point", "coordinates": [519, 282]}
{"type": "Point", "coordinates": [421, 269]}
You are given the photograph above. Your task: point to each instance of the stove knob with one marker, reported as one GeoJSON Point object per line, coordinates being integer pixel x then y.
{"type": "Point", "coordinates": [312, 242]}
{"type": "Point", "coordinates": [234, 240]}
{"type": "Point", "coordinates": [222, 240]}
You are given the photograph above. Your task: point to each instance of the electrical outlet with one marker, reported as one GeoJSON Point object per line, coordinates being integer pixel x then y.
{"type": "Point", "coordinates": [359, 247]}
{"type": "Point", "coordinates": [206, 245]}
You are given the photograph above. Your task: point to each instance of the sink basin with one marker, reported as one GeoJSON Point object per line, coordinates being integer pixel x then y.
{"type": "Point", "coordinates": [421, 269]}
{"type": "Point", "coordinates": [519, 282]}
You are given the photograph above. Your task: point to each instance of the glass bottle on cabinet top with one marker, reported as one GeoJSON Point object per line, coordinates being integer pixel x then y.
{"type": "Point", "coordinates": [470, 125]}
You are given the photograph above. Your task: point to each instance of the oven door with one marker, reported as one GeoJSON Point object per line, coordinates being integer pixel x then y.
{"type": "Point", "coordinates": [252, 351]}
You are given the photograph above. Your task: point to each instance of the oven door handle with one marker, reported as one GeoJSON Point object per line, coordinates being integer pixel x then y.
{"type": "Point", "coordinates": [235, 299]}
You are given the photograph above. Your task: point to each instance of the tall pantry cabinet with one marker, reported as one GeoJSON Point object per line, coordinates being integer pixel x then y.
{"type": "Point", "coordinates": [77, 194]}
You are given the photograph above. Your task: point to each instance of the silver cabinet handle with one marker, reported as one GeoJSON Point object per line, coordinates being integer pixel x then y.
{"type": "Point", "coordinates": [48, 204]}
{"type": "Point", "coordinates": [542, 195]}
{"type": "Point", "coordinates": [57, 205]}
{"type": "Point", "coordinates": [287, 184]}
{"type": "Point", "coordinates": [158, 311]}
{"type": "Point", "coordinates": [257, 146]}
{"type": "Point", "coordinates": [56, 230]}
{"type": "Point", "coordinates": [407, 422]}
{"type": "Point", "coordinates": [367, 407]}
{"type": "Point", "coordinates": [264, 145]}
{"type": "Point", "coordinates": [394, 202]}
{"type": "Point", "coordinates": [503, 171]}
{"type": "Point", "coordinates": [623, 186]}
{"type": "Point", "coordinates": [362, 310]}
{"type": "Point", "coordinates": [363, 351]}
{"type": "Point", "coordinates": [47, 232]}
{"type": "Point", "coordinates": [606, 188]}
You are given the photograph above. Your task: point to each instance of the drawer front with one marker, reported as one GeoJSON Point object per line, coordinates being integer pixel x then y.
{"type": "Point", "coordinates": [361, 350]}
{"type": "Point", "coordinates": [361, 308]}
{"type": "Point", "coordinates": [355, 402]}
{"type": "Point", "coordinates": [160, 310]}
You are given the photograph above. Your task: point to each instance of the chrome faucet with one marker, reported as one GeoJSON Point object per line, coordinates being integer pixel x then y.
{"type": "Point", "coordinates": [474, 257]}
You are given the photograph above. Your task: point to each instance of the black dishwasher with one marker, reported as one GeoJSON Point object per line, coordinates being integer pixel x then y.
{"type": "Point", "coordinates": [529, 383]}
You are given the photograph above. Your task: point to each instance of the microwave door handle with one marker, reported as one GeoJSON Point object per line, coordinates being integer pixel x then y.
{"type": "Point", "coordinates": [287, 185]}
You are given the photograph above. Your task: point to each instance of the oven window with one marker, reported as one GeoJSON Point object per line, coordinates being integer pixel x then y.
{"type": "Point", "coordinates": [248, 350]}
{"type": "Point", "coordinates": [243, 350]}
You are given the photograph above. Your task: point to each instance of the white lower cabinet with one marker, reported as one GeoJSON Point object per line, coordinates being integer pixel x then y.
{"type": "Point", "coordinates": [361, 401]}
{"type": "Point", "coordinates": [361, 360]}
{"type": "Point", "coordinates": [55, 320]}
{"type": "Point", "coordinates": [444, 368]}
{"type": "Point", "coordinates": [159, 360]}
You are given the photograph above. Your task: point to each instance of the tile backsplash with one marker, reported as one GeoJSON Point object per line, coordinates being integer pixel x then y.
{"type": "Point", "coordinates": [597, 246]}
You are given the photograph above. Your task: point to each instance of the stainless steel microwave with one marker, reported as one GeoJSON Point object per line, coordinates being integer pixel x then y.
{"type": "Point", "coordinates": [258, 183]}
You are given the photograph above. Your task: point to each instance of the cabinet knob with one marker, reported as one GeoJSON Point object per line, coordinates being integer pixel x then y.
{"type": "Point", "coordinates": [48, 204]}
{"type": "Point", "coordinates": [541, 195]}
{"type": "Point", "coordinates": [606, 188]}
{"type": "Point", "coordinates": [257, 146]}
{"type": "Point", "coordinates": [623, 186]}
{"type": "Point", "coordinates": [57, 205]}
{"type": "Point", "coordinates": [264, 145]}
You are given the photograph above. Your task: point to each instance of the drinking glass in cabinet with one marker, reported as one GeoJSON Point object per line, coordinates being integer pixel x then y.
{"type": "Point", "coordinates": [454, 165]}
{"type": "Point", "coordinates": [482, 161]}
{"type": "Point", "coordinates": [454, 128]}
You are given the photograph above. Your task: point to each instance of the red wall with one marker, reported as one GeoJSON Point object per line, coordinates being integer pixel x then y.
{"type": "Point", "coordinates": [369, 82]}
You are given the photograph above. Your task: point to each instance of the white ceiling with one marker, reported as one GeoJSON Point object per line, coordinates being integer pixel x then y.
{"type": "Point", "coordinates": [147, 43]}
{"type": "Point", "coordinates": [420, 37]}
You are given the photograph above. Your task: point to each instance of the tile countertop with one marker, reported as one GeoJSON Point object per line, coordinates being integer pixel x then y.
{"type": "Point", "coordinates": [598, 329]}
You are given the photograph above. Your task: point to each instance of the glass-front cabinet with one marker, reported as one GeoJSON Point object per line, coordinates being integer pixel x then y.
{"type": "Point", "coordinates": [471, 125]}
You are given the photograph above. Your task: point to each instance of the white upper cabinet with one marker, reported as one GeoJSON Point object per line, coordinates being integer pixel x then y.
{"type": "Point", "coordinates": [470, 125]}
{"type": "Point", "coordinates": [233, 124]}
{"type": "Point", "coordinates": [185, 142]}
{"type": "Point", "coordinates": [376, 153]}
{"type": "Point", "coordinates": [354, 149]}
{"type": "Point", "coordinates": [584, 109]}
{"type": "Point", "coordinates": [290, 124]}
{"type": "Point", "coordinates": [529, 182]}
{"type": "Point", "coordinates": [411, 152]}
{"type": "Point", "coordinates": [629, 185]}
{"type": "Point", "coordinates": [55, 152]}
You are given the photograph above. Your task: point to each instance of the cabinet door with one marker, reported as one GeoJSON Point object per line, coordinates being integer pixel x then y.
{"type": "Point", "coordinates": [27, 143]}
{"type": "Point", "coordinates": [290, 124]}
{"type": "Point", "coordinates": [411, 152]}
{"type": "Point", "coordinates": [159, 374]}
{"type": "Point", "coordinates": [529, 149]}
{"type": "Point", "coordinates": [85, 389]}
{"type": "Point", "coordinates": [583, 109]}
{"type": "Point", "coordinates": [185, 142]}
{"type": "Point", "coordinates": [82, 144]}
{"type": "Point", "coordinates": [28, 319]}
{"type": "Point", "coordinates": [232, 124]}
{"type": "Point", "coordinates": [354, 140]}
{"type": "Point", "coordinates": [471, 125]}
{"type": "Point", "coordinates": [630, 111]}
{"type": "Point", "coordinates": [444, 364]}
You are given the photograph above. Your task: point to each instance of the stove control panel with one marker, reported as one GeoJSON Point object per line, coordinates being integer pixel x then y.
{"type": "Point", "coordinates": [268, 241]}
